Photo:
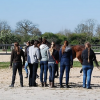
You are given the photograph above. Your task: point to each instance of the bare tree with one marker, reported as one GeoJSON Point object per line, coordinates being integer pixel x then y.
{"type": "Point", "coordinates": [24, 27]}
{"type": "Point", "coordinates": [4, 28]}
{"type": "Point", "coordinates": [91, 26]}
{"type": "Point", "coordinates": [81, 28]}
{"type": "Point", "coordinates": [35, 32]}
{"type": "Point", "coordinates": [98, 30]}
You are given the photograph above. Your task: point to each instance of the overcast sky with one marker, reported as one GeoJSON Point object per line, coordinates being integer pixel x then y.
{"type": "Point", "coordinates": [50, 15]}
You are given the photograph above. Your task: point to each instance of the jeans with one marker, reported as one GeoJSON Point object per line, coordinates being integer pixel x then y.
{"type": "Point", "coordinates": [64, 66]}
{"type": "Point", "coordinates": [51, 67]}
{"type": "Point", "coordinates": [17, 65]}
{"type": "Point", "coordinates": [87, 72]}
{"type": "Point", "coordinates": [32, 76]}
{"type": "Point", "coordinates": [43, 69]}
{"type": "Point", "coordinates": [26, 64]}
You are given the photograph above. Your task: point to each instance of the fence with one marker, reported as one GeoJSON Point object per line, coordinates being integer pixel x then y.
{"type": "Point", "coordinates": [5, 49]}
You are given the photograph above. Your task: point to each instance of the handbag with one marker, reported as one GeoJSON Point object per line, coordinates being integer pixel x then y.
{"type": "Point", "coordinates": [57, 61]}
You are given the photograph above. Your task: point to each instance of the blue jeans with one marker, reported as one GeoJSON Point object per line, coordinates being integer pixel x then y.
{"type": "Point", "coordinates": [87, 72]}
{"type": "Point", "coordinates": [64, 66]}
{"type": "Point", "coordinates": [26, 64]}
{"type": "Point", "coordinates": [51, 67]}
{"type": "Point", "coordinates": [43, 69]}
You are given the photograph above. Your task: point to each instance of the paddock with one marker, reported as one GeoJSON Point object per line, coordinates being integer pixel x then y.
{"type": "Point", "coordinates": [76, 92]}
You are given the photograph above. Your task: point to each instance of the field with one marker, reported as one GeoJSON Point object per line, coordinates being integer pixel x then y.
{"type": "Point", "coordinates": [76, 92]}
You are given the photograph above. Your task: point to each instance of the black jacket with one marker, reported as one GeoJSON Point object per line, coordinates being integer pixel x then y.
{"type": "Point", "coordinates": [84, 57]}
{"type": "Point", "coordinates": [17, 58]}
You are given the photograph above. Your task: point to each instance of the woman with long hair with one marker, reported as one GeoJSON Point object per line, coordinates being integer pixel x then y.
{"type": "Point", "coordinates": [66, 61]}
{"type": "Point", "coordinates": [33, 56]}
{"type": "Point", "coordinates": [88, 56]}
{"type": "Point", "coordinates": [43, 62]}
{"type": "Point", "coordinates": [52, 55]}
{"type": "Point", "coordinates": [16, 55]}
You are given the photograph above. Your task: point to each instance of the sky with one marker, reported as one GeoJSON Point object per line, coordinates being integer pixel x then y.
{"type": "Point", "coordinates": [50, 15]}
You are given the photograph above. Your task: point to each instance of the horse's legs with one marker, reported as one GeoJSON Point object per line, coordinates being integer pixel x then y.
{"type": "Point", "coordinates": [78, 56]}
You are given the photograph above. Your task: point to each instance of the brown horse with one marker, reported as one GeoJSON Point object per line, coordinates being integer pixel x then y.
{"type": "Point", "coordinates": [77, 51]}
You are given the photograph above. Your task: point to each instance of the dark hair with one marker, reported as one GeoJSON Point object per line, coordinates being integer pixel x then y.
{"type": "Point", "coordinates": [16, 45]}
{"type": "Point", "coordinates": [64, 46]}
{"type": "Point", "coordinates": [44, 41]}
{"type": "Point", "coordinates": [32, 42]}
{"type": "Point", "coordinates": [36, 42]}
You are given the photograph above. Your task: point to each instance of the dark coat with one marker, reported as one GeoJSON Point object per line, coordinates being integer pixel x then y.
{"type": "Point", "coordinates": [66, 56]}
{"type": "Point", "coordinates": [84, 57]}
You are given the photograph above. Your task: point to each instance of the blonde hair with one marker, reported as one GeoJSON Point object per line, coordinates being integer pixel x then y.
{"type": "Point", "coordinates": [16, 45]}
{"type": "Point", "coordinates": [52, 47]}
{"type": "Point", "coordinates": [88, 46]}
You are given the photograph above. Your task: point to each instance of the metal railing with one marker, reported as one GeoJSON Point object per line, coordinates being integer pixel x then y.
{"type": "Point", "coordinates": [5, 49]}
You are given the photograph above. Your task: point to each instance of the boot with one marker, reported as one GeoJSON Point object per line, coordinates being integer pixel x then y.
{"type": "Point", "coordinates": [42, 84]}
{"type": "Point", "coordinates": [12, 85]}
{"type": "Point", "coordinates": [52, 84]}
{"type": "Point", "coordinates": [67, 86]}
{"type": "Point", "coordinates": [21, 85]}
{"type": "Point", "coordinates": [26, 75]}
{"type": "Point", "coordinates": [45, 84]}
{"type": "Point", "coordinates": [49, 84]}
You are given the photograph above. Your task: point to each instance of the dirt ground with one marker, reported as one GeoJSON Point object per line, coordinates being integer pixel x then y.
{"type": "Point", "coordinates": [76, 92]}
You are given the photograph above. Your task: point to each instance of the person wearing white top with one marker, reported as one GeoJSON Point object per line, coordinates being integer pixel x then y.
{"type": "Point", "coordinates": [32, 59]}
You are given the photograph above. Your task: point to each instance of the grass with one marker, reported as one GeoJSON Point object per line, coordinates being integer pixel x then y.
{"type": "Point", "coordinates": [6, 64]}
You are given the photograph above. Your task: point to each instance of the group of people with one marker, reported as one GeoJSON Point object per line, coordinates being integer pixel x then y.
{"type": "Point", "coordinates": [37, 52]}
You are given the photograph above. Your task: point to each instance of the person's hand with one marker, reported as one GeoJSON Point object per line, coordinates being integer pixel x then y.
{"type": "Point", "coordinates": [23, 66]}
{"type": "Point", "coordinates": [71, 66]}
{"type": "Point", "coordinates": [10, 67]}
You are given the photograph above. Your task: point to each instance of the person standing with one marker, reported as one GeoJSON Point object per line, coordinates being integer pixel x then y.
{"type": "Point", "coordinates": [88, 56]}
{"type": "Point", "coordinates": [25, 54]}
{"type": "Point", "coordinates": [33, 55]}
{"type": "Point", "coordinates": [66, 61]}
{"type": "Point", "coordinates": [43, 62]}
{"type": "Point", "coordinates": [52, 54]}
{"type": "Point", "coordinates": [16, 55]}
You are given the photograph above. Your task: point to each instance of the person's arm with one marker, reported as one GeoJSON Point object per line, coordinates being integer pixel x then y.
{"type": "Point", "coordinates": [71, 58]}
{"type": "Point", "coordinates": [38, 54]}
{"type": "Point", "coordinates": [94, 56]}
{"type": "Point", "coordinates": [12, 57]}
{"type": "Point", "coordinates": [22, 54]}
{"type": "Point", "coordinates": [60, 55]}
{"type": "Point", "coordinates": [82, 56]}
{"type": "Point", "coordinates": [25, 54]}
